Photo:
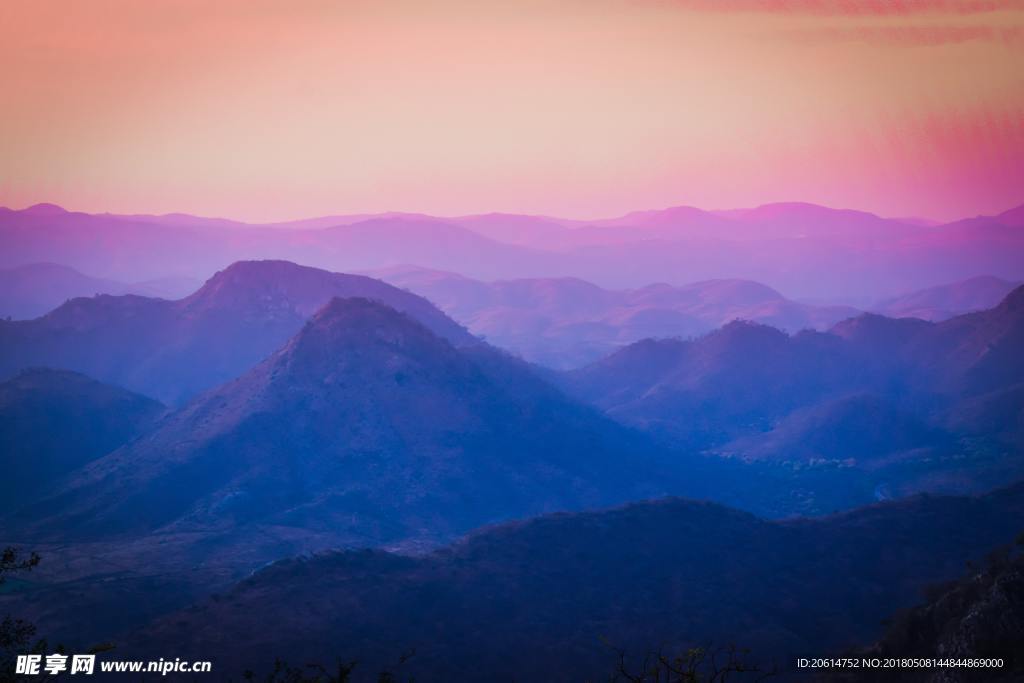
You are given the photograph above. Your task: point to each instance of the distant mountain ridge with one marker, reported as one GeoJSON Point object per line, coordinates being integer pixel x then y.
{"type": "Point", "coordinates": [946, 301]}
{"type": "Point", "coordinates": [806, 250]}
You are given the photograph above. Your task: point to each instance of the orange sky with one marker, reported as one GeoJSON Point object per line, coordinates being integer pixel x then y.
{"type": "Point", "coordinates": [269, 110]}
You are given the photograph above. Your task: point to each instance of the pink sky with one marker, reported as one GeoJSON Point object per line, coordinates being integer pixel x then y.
{"type": "Point", "coordinates": [266, 110]}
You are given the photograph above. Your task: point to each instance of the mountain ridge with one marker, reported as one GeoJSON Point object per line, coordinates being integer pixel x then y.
{"type": "Point", "coordinates": [556, 584]}
{"type": "Point", "coordinates": [837, 251]}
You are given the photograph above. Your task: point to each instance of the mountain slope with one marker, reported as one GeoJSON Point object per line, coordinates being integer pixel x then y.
{"type": "Point", "coordinates": [862, 428]}
{"type": "Point", "coordinates": [671, 573]}
{"type": "Point", "coordinates": [52, 422]}
{"type": "Point", "coordinates": [365, 426]}
{"type": "Point", "coordinates": [978, 352]}
{"type": "Point", "coordinates": [175, 349]}
{"type": "Point", "coordinates": [946, 301]}
{"type": "Point", "coordinates": [711, 389]}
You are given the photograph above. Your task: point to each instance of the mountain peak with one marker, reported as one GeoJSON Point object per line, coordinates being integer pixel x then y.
{"type": "Point", "coordinates": [282, 289]}
{"type": "Point", "coordinates": [348, 311]}
{"type": "Point", "coordinates": [878, 328]}
{"type": "Point", "coordinates": [741, 331]}
{"type": "Point", "coordinates": [253, 271]}
{"type": "Point", "coordinates": [44, 209]}
{"type": "Point", "coordinates": [350, 336]}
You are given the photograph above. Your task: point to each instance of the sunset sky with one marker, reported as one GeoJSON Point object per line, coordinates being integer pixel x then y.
{"type": "Point", "coordinates": [264, 110]}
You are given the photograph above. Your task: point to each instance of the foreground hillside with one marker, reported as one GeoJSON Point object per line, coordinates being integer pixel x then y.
{"type": "Point", "coordinates": [977, 616]}
{"type": "Point", "coordinates": [560, 590]}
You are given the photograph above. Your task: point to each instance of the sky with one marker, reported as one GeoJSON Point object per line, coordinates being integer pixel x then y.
{"type": "Point", "coordinates": [262, 111]}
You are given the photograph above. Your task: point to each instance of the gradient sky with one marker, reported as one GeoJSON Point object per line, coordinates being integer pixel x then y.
{"type": "Point", "coordinates": [264, 110]}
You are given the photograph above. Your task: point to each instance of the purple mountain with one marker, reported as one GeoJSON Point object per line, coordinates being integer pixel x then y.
{"type": "Point", "coordinates": [174, 349]}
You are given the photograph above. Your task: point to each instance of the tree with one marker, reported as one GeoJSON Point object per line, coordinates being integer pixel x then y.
{"type": "Point", "coordinates": [317, 673]}
{"type": "Point", "coordinates": [694, 665]}
{"type": "Point", "coordinates": [15, 634]}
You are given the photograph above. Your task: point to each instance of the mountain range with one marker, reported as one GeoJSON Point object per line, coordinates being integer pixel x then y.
{"type": "Point", "coordinates": [364, 417]}
{"type": "Point", "coordinates": [313, 410]}
{"type": "Point", "coordinates": [805, 250]}
{"type": "Point", "coordinates": [922, 405]}
{"type": "Point", "coordinates": [557, 322]}
{"type": "Point", "coordinates": [873, 396]}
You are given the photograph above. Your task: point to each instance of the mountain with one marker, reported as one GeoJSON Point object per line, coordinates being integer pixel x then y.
{"type": "Point", "coordinates": [946, 301]}
{"type": "Point", "coordinates": [563, 590]}
{"type": "Point", "coordinates": [53, 421]}
{"type": "Point", "coordinates": [998, 415]}
{"type": "Point", "coordinates": [567, 322]}
{"type": "Point", "coordinates": [44, 209]}
{"type": "Point", "coordinates": [978, 352]}
{"type": "Point", "coordinates": [174, 349]}
{"type": "Point", "coordinates": [366, 427]}
{"type": "Point", "coordinates": [711, 389]}
{"type": "Point", "coordinates": [783, 220]}
{"type": "Point", "coordinates": [800, 219]}
{"type": "Point", "coordinates": [30, 291]}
